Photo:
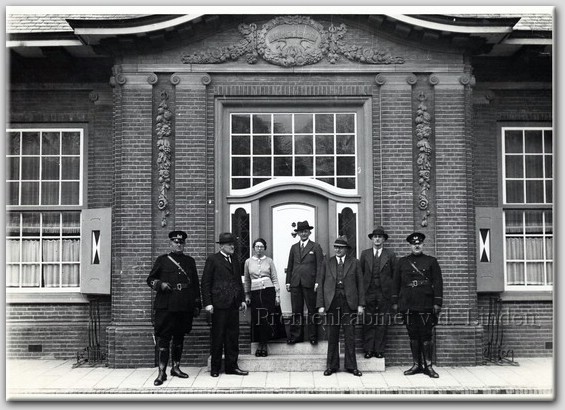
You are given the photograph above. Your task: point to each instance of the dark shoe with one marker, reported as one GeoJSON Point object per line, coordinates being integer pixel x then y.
{"type": "Point", "coordinates": [290, 341]}
{"type": "Point", "coordinates": [237, 371]}
{"type": "Point", "coordinates": [258, 352]}
{"type": "Point", "coordinates": [379, 355]}
{"type": "Point", "coordinates": [176, 371]}
{"type": "Point", "coordinates": [264, 352]}
{"type": "Point", "coordinates": [368, 355]}
{"type": "Point", "coordinates": [427, 348]}
{"type": "Point", "coordinates": [415, 369]}
{"type": "Point", "coordinates": [355, 372]}
{"type": "Point", "coordinates": [328, 372]}
{"type": "Point", "coordinates": [313, 342]}
{"type": "Point", "coordinates": [160, 378]}
{"type": "Point", "coordinates": [416, 358]}
{"type": "Point", "coordinates": [163, 361]}
{"type": "Point", "coordinates": [214, 373]}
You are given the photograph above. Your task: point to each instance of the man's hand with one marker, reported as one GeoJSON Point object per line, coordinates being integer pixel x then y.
{"type": "Point", "coordinates": [247, 300]}
{"type": "Point", "coordinates": [360, 310]}
{"type": "Point", "coordinates": [394, 308]}
{"type": "Point", "coordinates": [165, 287]}
{"type": "Point", "coordinates": [437, 310]}
{"type": "Point", "coordinates": [321, 310]}
{"type": "Point", "coordinates": [243, 306]}
{"type": "Point", "coordinates": [209, 309]}
{"type": "Point", "coordinates": [196, 311]}
{"type": "Point", "coordinates": [288, 287]}
{"type": "Point", "coordinates": [277, 300]}
{"type": "Point", "coordinates": [315, 287]}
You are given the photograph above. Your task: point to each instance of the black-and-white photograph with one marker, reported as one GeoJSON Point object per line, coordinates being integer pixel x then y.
{"type": "Point", "coordinates": [341, 203]}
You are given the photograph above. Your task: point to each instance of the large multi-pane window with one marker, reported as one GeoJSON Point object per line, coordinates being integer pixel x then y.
{"type": "Point", "coordinates": [44, 196]}
{"type": "Point", "coordinates": [308, 146]}
{"type": "Point", "coordinates": [528, 198]}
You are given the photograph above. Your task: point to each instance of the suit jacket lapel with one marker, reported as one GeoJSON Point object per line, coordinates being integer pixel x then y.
{"type": "Point", "coordinates": [225, 261]}
{"type": "Point", "coordinates": [307, 248]}
{"type": "Point", "coordinates": [384, 258]}
{"type": "Point", "coordinates": [347, 265]}
{"type": "Point", "coordinates": [332, 265]}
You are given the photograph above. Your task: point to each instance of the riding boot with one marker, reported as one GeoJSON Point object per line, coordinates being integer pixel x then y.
{"type": "Point", "coordinates": [416, 358]}
{"type": "Point", "coordinates": [163, 361]}
{"type": "Point", "coordinates": [428, 350]}
{"type": "Point", "coordinates": [175, 370]}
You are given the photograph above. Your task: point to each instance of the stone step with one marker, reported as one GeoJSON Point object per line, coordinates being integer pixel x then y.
{"type": "Point", "coordinates": [301, 363]}
{"type": "Point", "coordinates": [303, 348]}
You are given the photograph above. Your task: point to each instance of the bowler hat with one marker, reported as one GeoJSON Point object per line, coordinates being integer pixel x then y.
{"type": "Point", "coordinates": [226, 237]}
{"type": "Point", "coordinates": [302, 226]}
{"type": "Point", "coordinates": [379, 230]}
{"type": "Point", "coordinates": [177, 235]}
{"type": "Point", "coordinates": [341, 241]}
{"type": "Point", "coordinates": [415, 238]}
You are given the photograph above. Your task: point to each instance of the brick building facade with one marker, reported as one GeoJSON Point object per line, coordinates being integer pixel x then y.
{"type": "Point", "coordinates": [420, 113]}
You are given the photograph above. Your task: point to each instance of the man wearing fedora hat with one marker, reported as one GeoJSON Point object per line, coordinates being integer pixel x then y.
{"type": "Point", "coordinates": [377, 264]}
{"type": "Point", "coordinates": [304, 265]}
{"type": "Point", "coordinates": [417, 292]}
{"type": "Point", "coordinates": [223, 297]}
{"type": "Point", "coordinates": [342, 297]}
{"type": "Point", "coordinates": [177, 301]}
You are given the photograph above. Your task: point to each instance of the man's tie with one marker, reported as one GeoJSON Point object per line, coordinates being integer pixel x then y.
{"type": "Point", "coordinates": [228, 259]}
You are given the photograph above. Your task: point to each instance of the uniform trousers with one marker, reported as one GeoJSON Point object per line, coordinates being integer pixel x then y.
{"type": "Point", "coordinates": [340, 315]}
{"type": "Point", "coordinates": [225, 338]}
{"type": "Point", "coordinates": [376, 320]}
{"type": "Point", "coordinates": [419, 325]}
{"type": "Point", "coordinates": [299, 295]}
{"type": "Point", "coordinates": [172, 325]}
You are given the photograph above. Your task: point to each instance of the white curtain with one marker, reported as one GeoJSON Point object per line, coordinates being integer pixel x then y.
{"type": "Point", "coordinates": [31, 274]}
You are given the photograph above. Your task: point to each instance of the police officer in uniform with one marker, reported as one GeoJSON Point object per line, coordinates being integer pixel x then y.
{"type": "Point", "coordinates": [175, 279]}
{"type": "Point", "coordinates": [418, 294]}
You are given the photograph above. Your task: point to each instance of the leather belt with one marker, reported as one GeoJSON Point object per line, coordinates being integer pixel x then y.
{"type": "Point", "coordinates": [181, 286]}
{"type": "Point", "coordinates": [416, 283]}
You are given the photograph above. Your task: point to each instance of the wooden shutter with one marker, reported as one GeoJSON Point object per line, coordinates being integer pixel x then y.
{"type": "Point", "coordinates": [490, 251]}
{"type": "Point", "coordinates": [96, 246]}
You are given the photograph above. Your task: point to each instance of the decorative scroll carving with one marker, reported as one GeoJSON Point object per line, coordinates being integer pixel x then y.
{"type": "Point", "coordinates": [175, 79]}
{"type": "Point", "coordinates": [292, 41]}
{"type": "Point", "coordinates": [380, 79]}
{"type": "Point", "coordinates": [434, 79]}
{"type": "Point", "coordinates": [93, 96]}
{"type": "Point", "coordinates": [465, 79]}
{"type": "Point", "coordinates": [163, 130]}
{"type": "Point", "coordinates": [423, 134]}
{"type": "Point", "coordinates": [206, 79]}
{"type": "Point", "coordinates": [411, 79]}
{"type": "Point", "coordinates": [152, 79]}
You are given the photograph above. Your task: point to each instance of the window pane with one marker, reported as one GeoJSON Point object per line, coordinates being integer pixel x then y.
{"type": "Point", "coordinates": [548, 222]}
{"type": "Point", "coordinates": [324, 144]}
{"type": "Point", "coordinates": [513, 142]}
{"type": "Point", "coordinates": [31, 251]}
{"type": "Point", "coordinates": [69, 193]}
{"type": "Point", "coordinates": [71, 168]}
{"type": "Point", "coordinates": [548, 137]}
{"type": "Point", "coordinates": [514, 192]}
{"type": "Point", "coordinates": [346, 166]}
{"type": "Point", "coordinates": [534, 141]}
{"type": "Point", "coordinates": [549, 248]}
{"type": "Point", "coordinates": [50, 193]}
{"type": "Point", "coordinates": [534, 166]}
{"type": "Point", "coordinates": [549, 267]}
{"type": "Point", "coordinates": [71, 223]}
{"type": "Point", "coordinates": [262, 167]}
{"type": "Point", "coordinates": [30, 224]}
{"type": "Point", "coordinates": [240, 183]}
{"type": "Point", "coordinates": [14, 168]}
{"type": "Point", "coordinates": [303, 144]}
{"type": "Point", "coordinates": [71, 143]}
{"type": "Point", "coordinates": [50, 143]}
{"type": "Point", "coordinates": [261, 145]}
{"type": "Point", "coordinates": [283, 145]}
{"type": "Point", "coordinates": [514, 248]}
{"type": "Point", "coordinates": [30, 193]}
{"type": "Point", "coordinates": [303, 123]}
{"type": "Point", "coordinates": [514, 222]}
{"type": "Point", "coordinates": [13, 193]}
{"type": "Point", "coordinates": [534, 222]}
{"type": "Point", "coordinates": [534, 192]}
{"type": "Point", "coordinates": [50, 168]}
{"type": "Point", "coordinates": [283, 166]}
{"type": "Point", "coordinates": [51, 250]}
{"type": "Point", "coordinates": [51, 276]}
{"type": "Point", "coordinates": [282, 123]}
{"type": "Point", "coordinates": [240, 124]}
{"type": "Point", "coordinates": [534, 248]}
{"type": "Point", "coordinates": [330, 181]}
{"type": "Point", "coordinates": [548, 166]}
{"type": "Point", "coordinates": [14, 143]}
{"type": "Point", "coordinates": [241, 166]}
{"type": "Point", "coordinates": [13, 224]}
{"type": "Point", "coordinates": [535, 273]}
{"type": "Point", "coordinates": [325, 123]}
{"type": "Point", "coordinates": [13, 251]}
{"type": "Point", "coordinates": [70, 275]}
{"type": "Point", "coordinates": [514, 166]}
{"type": "Point", "coordinates": [31, 275]}
{"type": "Point", "coordinates": [346, 183]}
{"type": "Point", "coordinates": [30, 168]}
{"type": "Point", "coordinates": [30, 143]}
{"type": "Point", "coordinates": [324, 165]}
{"type": "Point", "coordinates": [257, 181]}
{"type": "Point", "coordinates": [240, 145]}
{"type": "Point", "coordinates": [345, 144]}
{"type": "Point", "coordinates": [71, 250]}
{"type": "Point", "coordinates": [304, 166]}
{"type": "Point", "coordinates": [262, 124]}
{"type": "Point", "coordinates": [13, 276]}
{"type": "Point", "coordinates": [51, 224]}
{"type": "Point", "coordinates": [515, 273]}
{"type": "Point", "coordinates": [548, 192]}
{"type": "Point", "coordinates": [345, 123]}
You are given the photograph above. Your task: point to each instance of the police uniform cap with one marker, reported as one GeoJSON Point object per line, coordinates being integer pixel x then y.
{"type": "Point", "coordinates": [177, 235]}
{"type": "Point", "coordinates": [415, 238]}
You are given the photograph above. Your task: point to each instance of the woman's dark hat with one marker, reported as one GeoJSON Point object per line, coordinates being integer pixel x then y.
{"type": "Point", "coordinates": [302, 226]}
{"type": "Point", "coordinates": [415, 238]}
{"type": "Point", "coordinates": [379, 230]}
{"type": "Point", "coordinates": [341, 241]}
{"type": "Point", "coordinates": [226, 237]}
{"type": "Point", "coordinates": [177, 235]}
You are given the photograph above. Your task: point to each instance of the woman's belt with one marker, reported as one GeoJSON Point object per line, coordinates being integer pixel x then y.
{"type": "Point", "coordinates": [261, 283]}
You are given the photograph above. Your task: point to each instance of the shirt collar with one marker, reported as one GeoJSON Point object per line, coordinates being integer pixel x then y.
{"type": "Point", "coordinates": [224, 255]}
{"type": "Point", "coordinates": [256, 258]}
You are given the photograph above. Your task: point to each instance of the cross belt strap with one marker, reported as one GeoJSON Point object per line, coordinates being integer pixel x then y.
{"type": "Point", "coordinates": [178, 265]}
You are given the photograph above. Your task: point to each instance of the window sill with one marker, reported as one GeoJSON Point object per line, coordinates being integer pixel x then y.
{"type": "Point", "coordinates": [527, 296]}
{"type": "Point", "coordinates": [47, 297]}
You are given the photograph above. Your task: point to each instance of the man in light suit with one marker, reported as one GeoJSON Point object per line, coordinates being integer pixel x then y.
{"type": "Point", "coordinates": [304, 265]}
{"type": "Point", "coordinates": [223, 296]}
{"type": "Point", "coordinates": [342, 297]}
{"type": "Point", "coordinates": [377, 264]}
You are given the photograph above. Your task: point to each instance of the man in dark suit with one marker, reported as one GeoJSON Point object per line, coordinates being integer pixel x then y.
{"type": "Point", "coordinates": [342, 297]}
{"type": "Point", "coordinates": [417, 292]}
{"type": "Point", "coordinates": [223, 297]}
{"type": "Point", "coordinates": [177, 301]}
{"type": "Point", "coordinates": [377, 264]}
{"type": "Point", "coordinates": [304, 265]}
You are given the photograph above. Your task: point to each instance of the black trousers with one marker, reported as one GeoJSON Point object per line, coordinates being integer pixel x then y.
{"type": "Point", "coordinates": [419, 325]}
{"type": "Point", "coordinates": [225, 339]}
{"type": "Point", "coordinates": [172, 325]}
{"type": "Point", "coordinates": [262, 311]}
{"type": "Point", "coordinates": [299, 295]}
{"type": "Point", "coordinates": [376, 320]}
{"type": "Point", "coordinates": [339, 315]}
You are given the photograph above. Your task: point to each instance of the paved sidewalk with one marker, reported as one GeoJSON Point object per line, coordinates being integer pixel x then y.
{"type": "Point", "coordinates": [531, 379]}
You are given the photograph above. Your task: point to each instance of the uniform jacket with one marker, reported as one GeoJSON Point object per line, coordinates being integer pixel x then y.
{"type": "Point", "coordinates": [304, 271]}
{"type": "Point", "coordinates": [387, 263]}
{"type": "Point", "coordinates": [352, 282]}
{"type": "Point", "coordinates": [419, 298]}
{"type": "Point", "coordinates": [164, 270]}
{"type": "Point", "coordinates": [221, 282]}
